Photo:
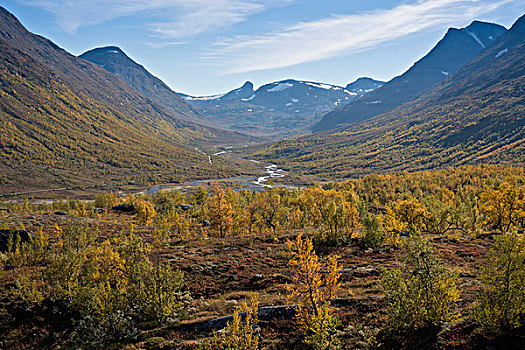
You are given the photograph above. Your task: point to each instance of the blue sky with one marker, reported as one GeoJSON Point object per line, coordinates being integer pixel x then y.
{"type": "Point", "coordinates": [205, 47]}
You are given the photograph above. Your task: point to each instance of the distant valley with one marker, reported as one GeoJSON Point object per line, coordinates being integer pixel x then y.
{"type": "Point", "coordinates": [280, 109]}
{"type": "Point", "coordinates": [445, 110]}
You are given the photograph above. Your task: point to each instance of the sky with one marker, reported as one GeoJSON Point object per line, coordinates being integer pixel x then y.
{"type": "Point", "coordinates": [205, 47]}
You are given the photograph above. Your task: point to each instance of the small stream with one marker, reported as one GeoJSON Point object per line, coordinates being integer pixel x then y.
{"type": "Point", "coordinates": [273, 172]}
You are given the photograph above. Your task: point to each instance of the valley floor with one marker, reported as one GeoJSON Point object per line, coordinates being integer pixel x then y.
{"type": "Point", "coordinates": [221, 272]}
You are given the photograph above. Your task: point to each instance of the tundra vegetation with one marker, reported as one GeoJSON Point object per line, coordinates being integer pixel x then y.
{"type": "Point", "coordinates": [431, 259]}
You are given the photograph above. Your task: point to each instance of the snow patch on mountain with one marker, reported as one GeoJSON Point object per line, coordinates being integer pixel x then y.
{"type": "Point", "coordinates": [505, 50]}
{"type": "Point", "coordinates": [323, 86]}
{"type": "Point", "coordinates": [472, 34]}
{"type": "Point", "coordinates": [280, 87]}
{"type": "Point", "coordinates": [203, 98]}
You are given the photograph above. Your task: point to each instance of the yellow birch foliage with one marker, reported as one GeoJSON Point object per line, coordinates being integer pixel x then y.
{"type": "Point", "coordinates": [503, 207]}
{"type": "Point", "coordinates": [220, 212]}
{"type": "Point", "coordinates": [314, 285]}
{"type": "Point", "coordinates": [241, 333]}
{"type": "Point", "coordinates": [145, 212]}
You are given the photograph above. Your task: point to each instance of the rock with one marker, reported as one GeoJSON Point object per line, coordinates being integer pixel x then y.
{"type": "Point", "coordinates": [5, 234]}
{"type": "Point", "coordinates": [265, 313]}
{"type": "Point", "coordinates": [60, 212]}
{"type": "Point", "coordinates": [232, 302]}
{"type": "Point", "coordinates": [185, 207]}
{"type": "Point", "coordinates": [362, 271]}
{"type": "Point", "coordinates": [125, 208]}
{"type": "Point", "coordinates": [256, 279]}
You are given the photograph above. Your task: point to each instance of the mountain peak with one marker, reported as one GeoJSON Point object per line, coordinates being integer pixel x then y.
{"type": "Point", "coordinates": [244, 91]}
{"type": "Point", "coordinates": [105, 50]}
{"type": "Point", "coordinates": [519, 25]}
{"type": "Point", "coordinates": [115, 61]}
{"type": "Point", "coordinates": [364, 79]}
{"type": "Point", "coordinates": [364, 84]}
{"type": "Point", "coordinates": [112, 49]}
{"type": "Point", "coordinates": [454, 50]}
{"type": "Point", "coordinates": [480, 24]}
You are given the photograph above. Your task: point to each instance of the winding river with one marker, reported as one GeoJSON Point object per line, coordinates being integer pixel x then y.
{"type": "Point", "coordinates": [257, 184]}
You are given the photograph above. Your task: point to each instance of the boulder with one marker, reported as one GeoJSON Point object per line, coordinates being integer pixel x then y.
{"type": "Point", "coordinates": [5, 234]}
{"type": "Point", "coordinates": [125, 208]}
{"type": "Point", "coordinates": [205, 223]}
{"type": "Point", "coordinates": [185, 207]}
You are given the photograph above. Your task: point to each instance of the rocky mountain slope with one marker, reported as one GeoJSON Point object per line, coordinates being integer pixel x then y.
{"type": "Point", "coordinates": [458, 47]}
{"type": "Point", "coordinates": [65, 121]}
{"type": "Point", "coordinates": [114, 60]}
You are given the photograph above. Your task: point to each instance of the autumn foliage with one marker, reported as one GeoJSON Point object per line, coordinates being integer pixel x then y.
{"type": "Point", "coordinates": [314, 285]}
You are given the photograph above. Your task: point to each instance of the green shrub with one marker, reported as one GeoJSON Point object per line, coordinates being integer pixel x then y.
{"type": "Point", "coordinates": [423, 292]}
{"type": "Point", "coordinates": [101, 280]}
{"type": "Point", "coordinates": [372, 235]}
{"type": "Point", "coordinates": [165, 295]}
{"type": "Point", "coordinates": [501, 304]}
{"type": "Point", "coordinates": [105, 200]}
{"type": "Point", "coordinates": [241, 332]}
{"type": "Point", "coordinates": [93, 333]}
{"type": "Point", "coordinates": [29, 289]}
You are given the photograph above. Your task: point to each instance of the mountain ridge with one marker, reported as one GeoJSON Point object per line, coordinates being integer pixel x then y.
{"type": "Point", "coordinates": [283, 108]}
{"type": "Point", "coordinates": [455, 49]}
{"type": "Point", "coordinates": [116, 61]}
{"type": "Point", "coordinates": [476, 115]}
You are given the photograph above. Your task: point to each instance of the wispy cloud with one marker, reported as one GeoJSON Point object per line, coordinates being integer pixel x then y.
{"type": "Point", "coordinates": [340, 34]}
{"type": "Point", "coordinates": [202, 16]}
{"type": "Point", "coordinates": [173, 19]}
{"type": "Point", "coordinates": [163, 44]}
